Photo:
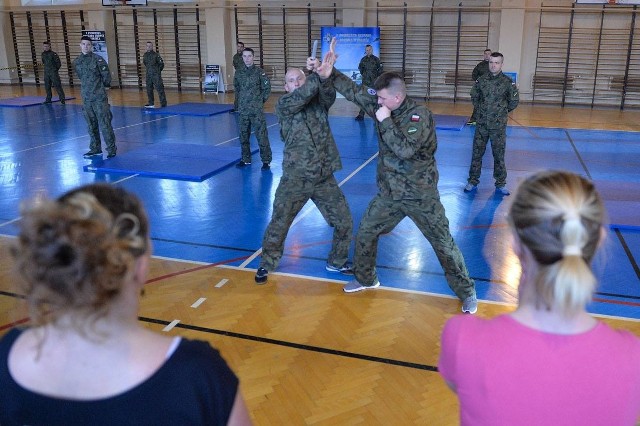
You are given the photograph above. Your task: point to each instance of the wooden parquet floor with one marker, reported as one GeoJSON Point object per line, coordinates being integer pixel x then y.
{"type": "Point", "coordinates": [306, 353]}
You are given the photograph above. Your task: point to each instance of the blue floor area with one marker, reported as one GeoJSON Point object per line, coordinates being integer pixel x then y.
{"type": "Point", "coordinates": [222, 219]}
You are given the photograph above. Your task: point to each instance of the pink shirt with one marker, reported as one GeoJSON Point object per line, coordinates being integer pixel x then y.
{"type": "Point", "coordinates": [506, 373]}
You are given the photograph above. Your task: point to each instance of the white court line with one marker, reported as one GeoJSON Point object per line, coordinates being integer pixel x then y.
{"type": "Point", "coordinates": [171, 325]}
{"type": "Point", "coordinates": [125, 178]}
{"type": "Point", "coordinates": [10, 222]}
{"type": "Point", "coordinates": [306, 210]}
{"type": "Point", "coordinates": [80, 137]}
{"type": "Point", "coordinates": [222, 282]}
{"type": "Point", "coordinates": [238, 137]}
{"type": "Point", "coordinates": [198, 302]}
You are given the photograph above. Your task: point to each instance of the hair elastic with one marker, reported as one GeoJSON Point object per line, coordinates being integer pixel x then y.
{"type": "Point", "coordinates": [572, 250]}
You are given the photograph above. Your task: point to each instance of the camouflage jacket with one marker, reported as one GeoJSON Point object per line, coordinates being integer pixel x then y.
{"type": "Point", "coordinates": [153, 62]}
{"type": "Point", "coordinates": [51, 61]}
{"type": "Point", "coordinates": [309, 148]}
{"type": "Point", "coordinates": [370, 68]}
{"type": "Point", "coordinates": [94, 75]}
{"type": "Point", "coordinates": [238, 63]}
{"type": "Point", "coordinates": [493, 98]}
{"type": "Point", "coordinates": [252, 88]}
{"type": "Point", "coordinates": [481, 69]}
{"type": "Point", "coordinates": [406, 141]}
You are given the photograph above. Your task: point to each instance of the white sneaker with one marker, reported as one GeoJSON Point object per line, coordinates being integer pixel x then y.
{"type": "Point", "coordinates": [353, 286]}
{"type": "Point", "coordinates": [503, 191]}
{"type": "Point", "coordinates": [470, 305]}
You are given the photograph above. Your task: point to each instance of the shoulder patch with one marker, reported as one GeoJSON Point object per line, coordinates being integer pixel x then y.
{"type": "Point", "coordinates": [415, 118]}
{"type": "Point", "coordinates": [371, 92]}
{"type": "Point", "coordinates": [411, 130]}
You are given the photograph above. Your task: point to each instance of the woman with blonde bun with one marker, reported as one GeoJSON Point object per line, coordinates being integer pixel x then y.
{"type": "Point", "coordinates": [85, 359]}
{"type": "Point", "coordinates": [549, 362]}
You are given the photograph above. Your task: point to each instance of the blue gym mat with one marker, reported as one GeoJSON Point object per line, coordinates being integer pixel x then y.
{"type": "Point", "coordinates": [450, 122]}
{"type": "Point", "coordinates": [191, 108]}
{"type": "Point", "coordinates": [188, 162]}
{"type": "Point", "coordinates": [621, 200]}
{"type": "Point", "coordinates": [25, 101]}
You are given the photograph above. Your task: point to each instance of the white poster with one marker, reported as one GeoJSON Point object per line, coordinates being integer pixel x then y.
{"type": "Point", "coordinates": [213, 82]}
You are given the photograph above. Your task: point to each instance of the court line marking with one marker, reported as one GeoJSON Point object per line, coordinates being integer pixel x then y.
{"type": "Point", "coordinates": [9, 222]}
{"type": "Point", "coordinates": [222, 282]}
{"type": "Point", "coordinates": [76, 137]}
{"type": "Point", "coordinates": [308, 208]}
{"type": "Point", "coordinates": [238, 137]}
{"type": "Point", "coordinates": [575, 150]}
{"type": "Point", "coordinates": [171, 325]}
{"type": "Point", "coordinates": [198, 302]}
{"type": "Point", "coordinates": [320, 349]}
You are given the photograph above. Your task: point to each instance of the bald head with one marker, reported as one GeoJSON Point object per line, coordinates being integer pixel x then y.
{"type": "Point", "coordinates": [293, 79]}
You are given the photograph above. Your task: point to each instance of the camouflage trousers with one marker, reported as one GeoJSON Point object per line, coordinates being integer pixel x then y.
{"type": "Point", "coordinates": [498, 145]}
{"type": "Point", "coordinates": [154, 81]}
{"type": "Point", "coordinates": [255, 120]}
{"type": "Point", "coordinates": [98, 117]}
{"type": "Point", "coordinates": [53, 79]}
{"type": "Point", "coordinates": [384, 213]}
{"type": "Point", "coordinates": [291, 195]}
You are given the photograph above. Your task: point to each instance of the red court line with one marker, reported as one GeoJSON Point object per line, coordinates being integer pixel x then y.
{"type": "Point", "coordinates": [197, 268]}
{"type": "Point", "coordinates": [13, 324]}
{"type": "Point", "coordinates": [616, 302]}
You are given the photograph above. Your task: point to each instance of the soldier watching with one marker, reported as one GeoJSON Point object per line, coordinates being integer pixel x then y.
{"type": "Point", "coordinates": [479, 70]}
{"type": "Point", "coordinates": [494, 96]}
{"type": "Point", "coordinates": [52, 64]}
{"type": "Point", "coordinates": [311, 158]}
{"type": "Point", "coordinates": [154, 64]}
{"type": "Point", "coordinates": [237, 64]}
{"type": "Point", "coordinates": [370, 68]}
{"type": "Point", "coordinates": [95, 76]}
{"type": "Point", "coordinates": [252, 88]}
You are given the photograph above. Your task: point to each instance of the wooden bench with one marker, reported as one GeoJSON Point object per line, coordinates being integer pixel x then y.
{"type": "Point", "coordinates": [464, 78]}
{"type": "Point", "coordinates": [552, 81]}
{"type": "Point", "coordinates": [633, 84]}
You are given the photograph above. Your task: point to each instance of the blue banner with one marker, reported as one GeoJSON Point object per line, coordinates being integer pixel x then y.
{"type": "Point", "coordinates": [350, 47]}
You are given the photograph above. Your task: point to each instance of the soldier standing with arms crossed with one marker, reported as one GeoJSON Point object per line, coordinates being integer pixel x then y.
{"type": "Point", "coordinates": [311, 158]}
{"type": "Point", "coordinates": [479, 70]}
{"type": "Point", "coordinates": [407, 178]}
{"type": "Point", "coordinates": [154, 64]}
{"type": "Point", "coordinates": [95, 76]}
{"type": "Point", "coordinates": [252, 90]}
{"type": "Point", "coordinates": [52, 64]}
{"type": "Point", "coordinates": [494, 96]}
{"type": "Point", "coordinates": [370, 68]}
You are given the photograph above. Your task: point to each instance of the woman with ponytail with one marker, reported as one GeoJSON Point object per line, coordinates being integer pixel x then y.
{"type": "Point", "coordinates": [549, 362]}
{"type": "Point", "coordinates": [85, 359]}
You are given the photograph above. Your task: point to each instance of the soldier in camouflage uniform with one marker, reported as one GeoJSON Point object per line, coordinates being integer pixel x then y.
{"type": "Point", "coordinates": [407, 179]}
{"type": "Point", "coordinates": [52, 64]}
{"type": "Point", "coordinates": [238, 63]}
{"type": "Point", "coordinates": [310, 159]}
{"type": "Point", "coordinates": [479, 70]}
{"type": "Point", "coordinates": [94, 76]}
{"type": "Point", "coordinates": [252, 90]}
{"type": "Point", "coordinates": [154, 64]}
{"type": "Point", "coordinates": [370, 68]}
{"type": "Point", "coordinates": [494, 95]}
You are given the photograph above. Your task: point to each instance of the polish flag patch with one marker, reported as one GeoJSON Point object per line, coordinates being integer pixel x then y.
{"type": "Point", "coordinates": [415, 118]}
